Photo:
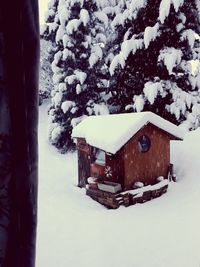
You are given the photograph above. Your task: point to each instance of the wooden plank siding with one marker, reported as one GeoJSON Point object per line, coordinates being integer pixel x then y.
{"type": "Point", "coordinates": [115, 162]}
{"type": "Point", "coordinates": [147, 166]}
{"type": "Point", "coordinates": [84, 161]}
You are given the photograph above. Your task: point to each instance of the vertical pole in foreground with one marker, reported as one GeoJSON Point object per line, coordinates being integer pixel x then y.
{"type": "Point", "coordinates": [21, 39]}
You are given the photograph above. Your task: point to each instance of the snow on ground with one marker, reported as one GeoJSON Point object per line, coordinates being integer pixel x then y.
{"type": "Point", "coordinates": [75, 231]}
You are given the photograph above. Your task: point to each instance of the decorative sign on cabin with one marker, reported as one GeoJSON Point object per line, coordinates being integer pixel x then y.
{"type": "Point", "coordinates": [124, 158]}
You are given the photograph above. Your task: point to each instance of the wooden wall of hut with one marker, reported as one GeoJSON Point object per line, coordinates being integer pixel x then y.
{"type": "Point", "coordinates": [84, 161]}
{"type": "Point", "coordinates": [146, 166]}
{"type": "Point", "coordinates": [115, 164]}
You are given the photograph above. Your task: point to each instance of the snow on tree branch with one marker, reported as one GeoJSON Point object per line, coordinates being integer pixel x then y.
{"type": "Point", "coordinates": [73, 25]}
{"type": "Point", "coordinates": [164, 8]}
{"type": "Point", "coordinates": [151, 90]}
{"type": "Point", "coordinates": [96, 55]}
{"type": "Point", "coordinates": [84, 16]}
{"type": "Point", "coordinates": [66, 105]}
{"type": "Point", "coordinates": [102, 17]}
{"type": "Point", "coordinates": [150, 34]}
{"type": "Point", "coordinates": [190, 36]}
{"type": "Point", "coordinates": [171, 57]}
{"type": "Point", "coordinates": [138, 103]}
{"type": "Point", "coordinates": [127, 47]}
{"type": "Point", "coordinates": [137, 4]}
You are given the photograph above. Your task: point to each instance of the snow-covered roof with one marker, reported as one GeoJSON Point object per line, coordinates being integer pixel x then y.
{"type": "Point", "coordinates": [111, 132]}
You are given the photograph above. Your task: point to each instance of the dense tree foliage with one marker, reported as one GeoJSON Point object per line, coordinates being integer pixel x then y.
{"type": "Point", "coordinates": [154, 66]}
{"type": "Point", "coordinates": [114, 56]}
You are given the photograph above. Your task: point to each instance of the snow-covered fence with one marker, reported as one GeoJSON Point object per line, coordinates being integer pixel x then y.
{"type": "Point", "coordinates": [130, 197]}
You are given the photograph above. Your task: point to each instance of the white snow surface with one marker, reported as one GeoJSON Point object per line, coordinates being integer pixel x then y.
{"type": "Point", "coordinates": [66, 105]}
{"type": "Point", "coordinates": [72, 25]}
{"type": "Point", "coordinates": [171, 57]}
{"type": "Point", "coordinates": [80, 75]}
{"type": "Point", "coordinates": [60, 33]}
{"type": "Point", "coordinates": [63, 14]}
{"type": "Point", "coordinates": [138, 102]}
{"type": "Point", "coordinates": [75, 231]}
{"type": "Point", "coordinates": [190, 36]}
{"type": "Point", "coordinates": [96, 55]}
{"type": "Point", "coordinates": [111, 132]}
{"type": "Point", "coordinates": [165, 8]}
{"type": "Point", "coordinates": [78, 89]}
{"type": "Point", "coordinates": [127, 46]}
{"type": "Point", "coordinates": [84, 16]}
{"type": "Point", "coordinates": [137, 4]}
{"type": "Point", "coordinates": [146, 188]}
{"type": "Point", "coordinates": [151, 90]}
{"type": "Point", "coordinates": [56, 133]}
{"type": "Point", "coordinates": [101, 16]}
{"type": "Point", "coordinates": [150, 34]}
{"type": "Point", "coordinates": [100, 109]}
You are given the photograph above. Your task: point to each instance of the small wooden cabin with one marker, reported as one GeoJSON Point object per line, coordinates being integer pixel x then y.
{"type": "Point", "coordinates": [124, 148]}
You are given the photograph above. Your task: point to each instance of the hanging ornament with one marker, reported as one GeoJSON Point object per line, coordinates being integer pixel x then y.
{"type": "Point", "coordinates": [108, 172]}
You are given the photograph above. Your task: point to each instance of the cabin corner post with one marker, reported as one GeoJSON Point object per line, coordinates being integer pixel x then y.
{"type": "Point", "coordinates": [84, 161]}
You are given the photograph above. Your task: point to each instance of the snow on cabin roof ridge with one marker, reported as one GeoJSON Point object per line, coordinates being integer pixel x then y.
{"type": "Point", "coordinates": [111, 132]}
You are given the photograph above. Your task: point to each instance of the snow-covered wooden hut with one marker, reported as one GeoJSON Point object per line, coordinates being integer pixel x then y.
{"type": "Point", "coordinates": [124, 148]}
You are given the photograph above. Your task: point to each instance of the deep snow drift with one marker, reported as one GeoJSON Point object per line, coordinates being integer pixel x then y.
{"type": "Point", "coordinates": [75, 231]}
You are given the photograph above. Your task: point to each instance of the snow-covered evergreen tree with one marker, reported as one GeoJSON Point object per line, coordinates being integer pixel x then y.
{"type": "Point", "coordinates": [75, 27]}
{"type": "Point", "coordinates": [159, 43]}
{"type": "Point", "coordinates": [110, 10]}
{"type": "Point", "coordinates": [49, 29]}
{"type": "Point", "coordinates": [45, 82]}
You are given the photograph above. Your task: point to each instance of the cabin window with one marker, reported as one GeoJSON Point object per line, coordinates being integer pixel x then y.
{"type": "Point", "coordinates": [144, 143]}
{"type": "Point", "coordinates": [99, 156]}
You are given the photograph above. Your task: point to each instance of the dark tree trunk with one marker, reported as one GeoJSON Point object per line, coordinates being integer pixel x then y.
{"type": "Point", "coordinates": [19, 30]}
